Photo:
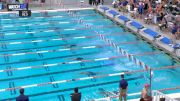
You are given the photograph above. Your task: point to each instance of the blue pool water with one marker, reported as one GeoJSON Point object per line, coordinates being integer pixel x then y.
{"type": "Point", "coordinates": [42, 49]}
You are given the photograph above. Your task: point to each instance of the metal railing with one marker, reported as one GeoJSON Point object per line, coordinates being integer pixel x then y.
{"type": "Point", "coordinates": [156, 94]}
{"type": "Point", "coordinates": [159, 95]}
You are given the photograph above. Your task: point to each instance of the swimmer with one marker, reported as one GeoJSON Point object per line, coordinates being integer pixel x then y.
{"type": "Point", "coordinates": [102, 91]}
{"type": "Point", "coordinates": [79, 58]}
{"type": "Point", "coordinates": [72, 46]}
{"type": "Point", "coordinates": [89, 73]}
{"type": "Point", "coordinates": [63, 63]}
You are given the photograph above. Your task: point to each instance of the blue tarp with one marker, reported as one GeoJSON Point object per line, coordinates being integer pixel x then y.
{"type": "Point", "coordinates": [137, 25]}
{"type": "Point", "coordinates": [114, 13]}
{"type": "Point", "coordinates": [123, 18]}
{"type": "Point", "coordinates": [151, 33]}
{"type": "Point", "coordinates": [166, 40]}
{"type": "Point", "coordinates": [104, 8]}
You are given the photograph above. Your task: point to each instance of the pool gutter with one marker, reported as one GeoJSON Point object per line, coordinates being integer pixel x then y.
{"type": "Point", "coordinates": [56, 10]}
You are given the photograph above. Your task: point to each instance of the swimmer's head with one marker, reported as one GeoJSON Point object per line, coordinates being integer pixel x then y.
{"type": "Point", "coordinates": [146, 85]}
{"type": "Point", "coordinates": [122, 76]}
{"type": "Point", "coordinates": [21, 91]}
{"type": "Point", "coordinates": [76, 90]}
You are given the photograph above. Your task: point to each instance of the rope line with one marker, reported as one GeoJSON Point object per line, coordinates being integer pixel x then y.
{"type": "Point", "coordinates": [119, 50]}
{"type": "Point", "coordinates": [42, 17]}
{"type": "Point", "coordinates": [84, 78]}
{"type": "Point", "coordinates": [39, 30]}
{"type": "Point", "coordinates": [45, 23]}
{"type": "Point", "coordinates": [72, 62]}
{"type": "Point", "coordinates": [67, 49]}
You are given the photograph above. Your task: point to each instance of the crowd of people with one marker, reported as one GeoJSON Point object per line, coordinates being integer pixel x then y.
{"type": "Point", "coordinates": [96, 2]}
{"type": "Point", "coordinates": [163, 13]}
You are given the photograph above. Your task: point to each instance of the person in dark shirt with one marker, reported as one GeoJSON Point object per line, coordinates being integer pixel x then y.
{"type": "Point", "coordinates": [22, 97]}
{"type": "Point", "coordinates": [123, 88]}
{"type": "Point", "coordinates": [76, 96]}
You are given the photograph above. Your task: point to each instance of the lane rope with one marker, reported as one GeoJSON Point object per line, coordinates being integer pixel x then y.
{"type": "Point", "coordinates": [80, 79]}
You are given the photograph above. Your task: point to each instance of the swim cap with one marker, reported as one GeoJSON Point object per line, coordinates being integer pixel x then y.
{"type": "Point", "coordinates": [146, 85]}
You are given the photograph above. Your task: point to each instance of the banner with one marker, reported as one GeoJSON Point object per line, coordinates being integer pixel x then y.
{"type": "Point", "coordinates": [25, 13]}
{"type": "Point", "coordinates": [16, 7]}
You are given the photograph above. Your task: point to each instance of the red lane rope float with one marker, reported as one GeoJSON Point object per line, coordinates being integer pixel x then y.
{"type": "Point", "coordinates": [59, 39]}
{"type": "Point", "coordinates": [77, 79]}
{"type": "Point", "coordinates": [71, 62]}
{"type": "Point", "coordinates": [123, 52]}
{"type": "Point", "coordinates": [96, 46]}
{"type": "Point", "coordinates": [166, 89]}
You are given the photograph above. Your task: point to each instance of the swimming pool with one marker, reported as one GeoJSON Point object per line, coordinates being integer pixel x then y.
{"type": "Point", "coordinates": [56, 46]}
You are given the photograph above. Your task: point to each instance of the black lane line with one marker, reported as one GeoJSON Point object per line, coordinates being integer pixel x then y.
{"type": "Point", "coordinates": [30, 38]}
{"type": "Point", "coordinates": [6, 58]}
{"type": "Point", "coordinates": [80, 87]}
{"type": "Point", "coordinates": [61, 97]}
{"type": "Point", "coordinates": [12, 85]}
{"type": "Point", "coordinates": [46, 67]}
{"type": "Point", "coordinates": [9, 73]}
{"type": "Point", "coordinates": [58, 72]}
{"type": "Point", "coordinates": [52, 80]}
{"type": "Point", "coordinates": [3, 45]}
{"type": "Point", "coordinates": [36, 60]}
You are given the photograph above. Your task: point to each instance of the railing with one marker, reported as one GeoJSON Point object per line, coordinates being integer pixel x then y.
{"type": "Point", "coordinates": [159, 95]}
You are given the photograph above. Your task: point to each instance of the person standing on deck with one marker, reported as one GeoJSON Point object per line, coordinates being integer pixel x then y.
{"type": "Point", "coordinates": [22, 97]}
{"type": "Point", "coordinates": [123, 88]}
{"type": "Point", "coordinates": [76, 96]}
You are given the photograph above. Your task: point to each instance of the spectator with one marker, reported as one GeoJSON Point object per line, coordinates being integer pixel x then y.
{"type": "Point", "coordinates": [93, 2]}
{"type": "Point", "coordinates": [22, 97]}
{"type": "Point", "coordinates": [141, 8]}
{"type": "Point", "coordinates": [174, 30]}
{"type": "Point", "coordinates": [146, 94]}
{"type": "Point", "coordinates": [123, 88]}
{"type": "Point", "coordinates": [76, 96]}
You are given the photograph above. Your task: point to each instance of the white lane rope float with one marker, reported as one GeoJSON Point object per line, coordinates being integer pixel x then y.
{"type": "Point", "coordinates": [42, 17]}
{"type": "Point", "coordinates": [49, 30]}
{"type": "Point", "coordinates": [54, 39]}
{"type": "Point", "coordinates": [65, 49]}
{"type": "Point", "coordinates": [120, 50]}
{"type": "Point", "coordinates": [71, 62]}
{"type": "Point", "coordinates": [44, 23]}
{"type": "Point", "coordinates": [81, 79]}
